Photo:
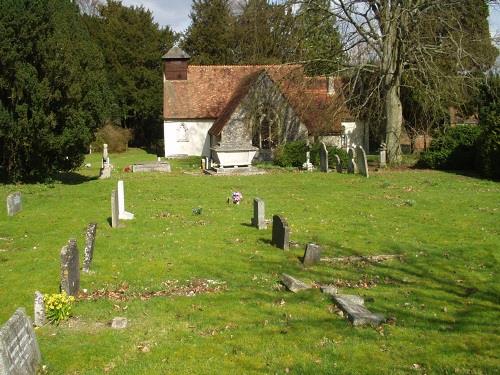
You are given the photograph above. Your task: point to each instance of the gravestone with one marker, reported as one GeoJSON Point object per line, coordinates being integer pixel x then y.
{"type": "Point", "coordinates": [259, 218]}
{"type": "Point", "coordinates": [308, 165]}
{"type": "Point", "coordinates": [338, 165]}
{"type": "Point", "coordinates": [88, 253]}
{"type": "Point", "coordinates": [323, 158]}
{"type": "Point", "coordinates": [105, 173]}
{"type": "Point", "coordinates": [39, 307]}
{"type": "Point", "coordinates": [293, 284]}
{"type": "Point", "coordinates": [14, 203]}
{"type": "Point", "coordinates": [70, 269]}
{"type": "Point", "coordinates": [105, 156]}
{"type": "Point", "coordinates": [281, 233]}
{"type": "Point", "coordinates": [312, 254]}
{"type": "Point", "coordinates": [383, 155]}
{"type": "Point", "coordinates": [356, 312]}
{"type": "Point", "coordinates": [361, 161]}
{"type": "Point", "coordinates": [19, 352]}
{"type": "Point", "coordinates": [351, 163]}
{"type": "Point", "coordinates": [115, 213]}
{"type": "Point", "coordinates": [122, 214]}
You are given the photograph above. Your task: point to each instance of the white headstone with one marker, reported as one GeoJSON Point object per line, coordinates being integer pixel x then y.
{"type": "Point", "coordinates": [39, 310]}
{"type": "Point", "coordinates": [14, 203]}
{"type": "Point", "coordinates": [122, 214]}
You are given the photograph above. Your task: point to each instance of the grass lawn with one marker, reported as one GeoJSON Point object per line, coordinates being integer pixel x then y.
{"type": "Point", "coordinates": [444, 295]}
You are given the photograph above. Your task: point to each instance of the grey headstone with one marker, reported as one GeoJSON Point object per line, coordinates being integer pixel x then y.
{"type": "Point", "coordinates": [19, 351]}
{"type": "Point", "coordinates": [361, 161]}
{"type": "Point", "coordinates": [14, 203]}
{"type": "Point", "coordinates": [119, 323]}
{"type": "Point", "coordinates": [281, 233]}
{"type": "Point", "coordinates": [383, 155]}
{"type": "Point", "coordinates": [105, 172]}
{"type": "Point", "coordinates": [40, 319]}
{"type": "Point", "coordinates": [338, 165]}
{"type": "Point", "coordinates": [259, 218]}
{"type": "Point", "coordinates": [115, 212]}
{"type": "Point", "coordinates": [351, 162]}
{"type": "Point", "coordinates": [70, 269]}
{"type": "Point", "coordinates": [357, 314]}
{"type": "Point", "coordinates": [88, 253]}
{"type": "Point", "coordinates": [293, 284]}
{"type": "Point", "coordinates": [323, 158]}
{"type": "Point", "coordinates": [312, 254]}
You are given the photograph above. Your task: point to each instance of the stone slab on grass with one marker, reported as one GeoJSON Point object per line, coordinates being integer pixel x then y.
{"type": "Point", "coordinates": [356, 312]}
{"type": "Point", "coordinates": [293, 284]}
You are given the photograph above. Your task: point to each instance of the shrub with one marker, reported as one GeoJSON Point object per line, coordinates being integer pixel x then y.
{"type": "Point", "coordinates": [454, 148]}
{"type": "Point", "coordinates": [117, 138]}
{"type": "Point", "coordinates": [332, 151]}
{"type": "Point", "coordinates": [58, 307]}
{"type": "Point", "coordinates": [292, 154]}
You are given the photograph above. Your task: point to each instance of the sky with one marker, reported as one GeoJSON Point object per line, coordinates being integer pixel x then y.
{"type": "Point", "coordinates": [175, 13]}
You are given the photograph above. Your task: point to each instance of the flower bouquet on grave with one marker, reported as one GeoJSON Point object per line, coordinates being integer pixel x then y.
{"type": "Point", "coordinates": [236, 197]}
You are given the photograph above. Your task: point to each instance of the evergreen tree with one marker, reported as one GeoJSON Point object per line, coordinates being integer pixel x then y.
{"type": "Point", "coordinates": [209, 38]}
{"type": "Point", "coordinates": [52, 88]}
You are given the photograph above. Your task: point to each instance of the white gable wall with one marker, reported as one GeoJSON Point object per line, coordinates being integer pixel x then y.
{"type": "Point", "coordinates": [187, 137]}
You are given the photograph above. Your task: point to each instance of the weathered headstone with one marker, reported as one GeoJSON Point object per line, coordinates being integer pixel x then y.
{"type": "Point", "coordinates": [383, 155]}
{"type": "Point", "coordinates": [115, 213]}
{"type": "Point", "coordinates": [338, 163]}
{"type": "Point", "coordinates": [323, 158]}
{"type": "Point", "coordinates": [70, 269]}
{"type": "Point", "coordinates": [105, 172]}
{"type": "Point", "coordinates": [19, 351]}
{"type": "Point", "coordinates": [39, 307]}
{"type": "Point", "coordinates": [259, 219]}
{"type": "Point", "coordinates": [122, 214]}
{"type": "Point", "coordinates": [312, 254]}
{"type": "Point", "coordinates": [361, 161]}
{"type": "Point", "coordinates": [356, 312]}
{"type": "Point", "coordinates": [106, 166]}
{"type": "Point", "coordinates": [88, 253]}
{"type": "Point", "coordinates": [351, 163]}
{"type": "Point", "coordinates": [293, 284]}
{"type": "Point", "coordinates": [281, 233]}
{"type": "Point", "coordinates": [14, 203]}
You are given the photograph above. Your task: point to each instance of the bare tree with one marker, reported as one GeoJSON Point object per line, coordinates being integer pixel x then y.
{"type": "Point", "coordinates": [89, 7]}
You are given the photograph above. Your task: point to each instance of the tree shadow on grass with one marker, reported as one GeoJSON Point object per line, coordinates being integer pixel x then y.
{"type": "Point", "coordinates": [73, 178]}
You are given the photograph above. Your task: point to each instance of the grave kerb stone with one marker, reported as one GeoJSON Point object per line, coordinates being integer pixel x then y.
{"type": "Point", "coordinates": [122, 214]}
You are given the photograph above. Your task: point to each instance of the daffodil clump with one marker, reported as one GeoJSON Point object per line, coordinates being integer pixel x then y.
{"type": "Point", "coordinates": [58, 307]}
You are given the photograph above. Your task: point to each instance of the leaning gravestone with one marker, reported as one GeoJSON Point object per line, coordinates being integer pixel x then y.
{"type": "Point", "coordinates": [361, 161]}
{"type": "Point", "coordinates": [323, 158]}
{"type": "Point", "coordinates": [312, 254]}
{"type": "Point", "coordinates": [19, 352]}
{"type": "Point", "coordinates": [338, 165]}
{"type": "Point", "coordinates": [115, 213]}
{"type": "Point", "coordinates": [281, 233]}
{"type": "Point", "coordinates": [70, 269]}
{"type": "Point", "coordinates": [88, 253]}
{"type": "Point", "coordinates": [14, 203]}
{"type": "Point", "coordinates": [357, 314]}
{"type": "Point", "coordinates": [259, 219]}
{"type": "Point", "coordinates": [39, 307]}
{"type": "Point", "coordinates": [351, 163]}
{"type": "Point", "coordinates": [122, 214]}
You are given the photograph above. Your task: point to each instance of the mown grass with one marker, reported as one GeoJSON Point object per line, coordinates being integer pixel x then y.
{"type": "Point", "coordinates": [444, 295]}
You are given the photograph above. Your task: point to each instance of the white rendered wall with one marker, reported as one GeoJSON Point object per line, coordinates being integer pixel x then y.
{"type": "Point", "coordinates": [356, 134]}
{"type": "Point", "coordinates": [188, 137]}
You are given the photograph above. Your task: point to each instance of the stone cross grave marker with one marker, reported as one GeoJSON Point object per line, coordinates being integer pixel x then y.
{"type": "Point", "coordinates": [383, 155]}
{"type": "Point", "coordinates": [115, 213]}
{"type": "Point", "coordinates": [338, 163]}
{"type": "Point", "coordinates": [122, 214]}
{"type": "Point", "coordinates": [14, 203]}
{"type": "Point", "coordinates": [312, 254]}
{"type": "Point", "coordinates": [105, 156]}
{"type": "Point", "coordinates": [281, 233]}
{"type": "Point", "coordinates": [88, 253]}
{"type": "Point", "coordinates": [323, 158]}
{"type": "Point", "coordinates": [70, 269]}
{"type": "Point", "coordinates": [308, 165]}
{"type": "Point", "coordinates": [259, 218]}
{"type": "Point", "coordinates": [351, 163]}
{"type": "Point", "coordinates": [361, 161]}
{"type": "Point", "coordinates": [19, 351]}
{"type": "Point", "coordinates": [39, 307]}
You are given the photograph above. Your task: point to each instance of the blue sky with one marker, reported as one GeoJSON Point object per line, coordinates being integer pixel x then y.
{"type": "Point", "coordinates": [175, 13]}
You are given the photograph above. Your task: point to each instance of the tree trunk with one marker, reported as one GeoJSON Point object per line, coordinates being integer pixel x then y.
{"type": "Point", "coordinates": [394, 122]}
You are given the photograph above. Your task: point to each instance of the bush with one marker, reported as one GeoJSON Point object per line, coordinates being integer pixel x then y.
{"type": "Point", "coordinates": [292, 154]}
{"type": "Point", "coordinates": [114, 136]}
{"type": "Point", "coordinates": [332, 151]}
{"type": "Point", "coordinates": [454, 148]}
{"type": "Point", "coordinates": [488, 148]}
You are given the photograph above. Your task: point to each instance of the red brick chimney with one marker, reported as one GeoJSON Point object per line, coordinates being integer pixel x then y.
{"type": "Point", "coordinates": [175, 64]}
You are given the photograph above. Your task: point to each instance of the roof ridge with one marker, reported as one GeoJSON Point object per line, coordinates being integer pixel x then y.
{"type": "Point", "coordinates": [245, 66]}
